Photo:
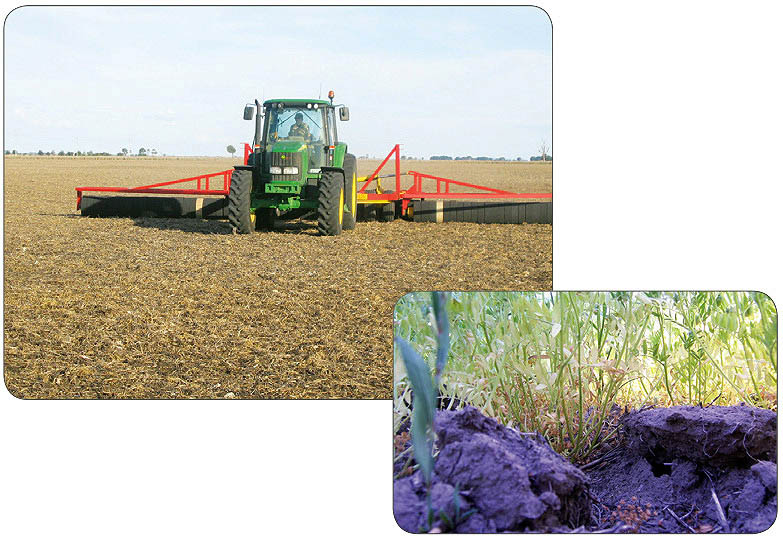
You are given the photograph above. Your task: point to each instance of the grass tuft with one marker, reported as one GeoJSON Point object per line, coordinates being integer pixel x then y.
{"type": "Point", "coordinates": [560, 363]}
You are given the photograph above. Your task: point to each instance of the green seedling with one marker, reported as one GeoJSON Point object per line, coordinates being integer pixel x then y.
{"type": "Point", "coordinates": [424, 390]}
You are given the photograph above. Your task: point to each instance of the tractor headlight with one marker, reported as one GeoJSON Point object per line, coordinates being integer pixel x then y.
{"type": "Point", "coordinates": [275, 170]}
{"type": "Point", "coordinates": [291, 170]}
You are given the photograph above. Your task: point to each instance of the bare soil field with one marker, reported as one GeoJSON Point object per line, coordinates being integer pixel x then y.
{"type": "Point", "coordinates": [174, 308]}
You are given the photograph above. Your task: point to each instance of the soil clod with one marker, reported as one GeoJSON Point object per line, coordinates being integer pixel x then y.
{"type": "Point", "coordinates": [703, 469]}
{"type": "Point", "coordinates": [719, 435]}
{"type": "Point", "coordinates": [512, 483]}
{"type": "Point", "coordinates": [682, 469]}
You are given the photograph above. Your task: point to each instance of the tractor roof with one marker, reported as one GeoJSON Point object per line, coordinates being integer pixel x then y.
{"type": "Point", "coordinates": [295, 102]}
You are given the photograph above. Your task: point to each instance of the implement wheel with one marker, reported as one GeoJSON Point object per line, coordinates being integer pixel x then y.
{"type": "Point", "coordinates": [239, 202]}
{"type": "Point", "coordinates": [331, 195]}
{"type": "Point", "coordinates": [385, 212]}
{"type": "Point", "coordinates": [349, 216]}
{"type": "Point", "coordinates": [365, 212]}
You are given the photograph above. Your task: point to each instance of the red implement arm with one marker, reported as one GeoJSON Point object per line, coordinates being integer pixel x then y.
{"type": "Point", "coordinates": [202, 185]}
{"type": "Point", "coordinates": [442, 187]}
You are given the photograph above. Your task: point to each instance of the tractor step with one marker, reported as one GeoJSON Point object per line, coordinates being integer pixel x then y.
{"type": "Point", "coordinates": [155, 206]}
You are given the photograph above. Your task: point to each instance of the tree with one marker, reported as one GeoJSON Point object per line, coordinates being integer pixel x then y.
{"type": "Point", "coordinates": [124, 151]}
{"type": "Point", "coordinates": [543, 149]}
{"type": "Point", "coordinates": [230, 149]}
{"type": "Point", "coordinates": [142, 151]}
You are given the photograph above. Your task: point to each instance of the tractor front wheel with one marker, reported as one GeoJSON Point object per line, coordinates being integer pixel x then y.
{"type": "Point", "coordinates": [239, 202]}
{"type": "Point", "coordinates": [331, 197]}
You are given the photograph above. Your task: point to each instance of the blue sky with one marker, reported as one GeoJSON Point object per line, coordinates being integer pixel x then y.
{"type": "Point", "coordinates": [451, 80]}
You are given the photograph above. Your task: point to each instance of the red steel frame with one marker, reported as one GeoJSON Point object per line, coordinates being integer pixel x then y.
{"type": "Point", "coordinates": [442, 187]}
{"type": "Point", "coordinates": [156, 188]}
{"type": "Point", "coordinates": [416, 190]}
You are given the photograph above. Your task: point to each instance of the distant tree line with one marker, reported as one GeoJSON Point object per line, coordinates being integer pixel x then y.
{"type": "Point", "coordinates": [125, 152]}
{"type": "Point", "coordinates": [471, 158]}
{"type": "Point", "coordinates": [541, 157]}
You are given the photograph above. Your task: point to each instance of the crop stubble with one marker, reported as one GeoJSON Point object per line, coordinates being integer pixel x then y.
{"type": "Point", "coordinates": [168, 308]}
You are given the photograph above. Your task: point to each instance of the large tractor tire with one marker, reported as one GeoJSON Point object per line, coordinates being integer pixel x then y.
{"type": "Point", "coordinates": [385, 212]}
{"type": "Point", "coordinates": [349, 216]}
{"type": "Point", "coordinates": [331, 196]}
{"type": "Point", "coordinates": [239, 215]}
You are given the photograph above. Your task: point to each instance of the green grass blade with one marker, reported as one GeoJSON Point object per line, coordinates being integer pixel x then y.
{"type": "Point", "coordinates": [423, 406]}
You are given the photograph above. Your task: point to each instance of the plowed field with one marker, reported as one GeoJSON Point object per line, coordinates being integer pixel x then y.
{"type": "Point", "coordinates": [166, 308]}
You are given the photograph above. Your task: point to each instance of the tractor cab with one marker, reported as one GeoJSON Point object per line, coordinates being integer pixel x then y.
{"type": "Point", "coordinates": [295, 138]}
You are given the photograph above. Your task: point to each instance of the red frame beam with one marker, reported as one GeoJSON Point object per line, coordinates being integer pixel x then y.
{"type": "Point", "coordinates": [156, 188]}
{"type": "Point", "coordinates": [395, 151]}
{"type": "Point", "coordinates": [442, 186]}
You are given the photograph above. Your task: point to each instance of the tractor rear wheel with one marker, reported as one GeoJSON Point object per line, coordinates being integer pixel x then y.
{"type": "Point", "coordinates": [385, 212]}
{"type": "Point", "coordinates": [331, 194]}
{"type": "Point", "coordinates": [349, 217]}
{"type": "Point", "coordinates": [239, 202]}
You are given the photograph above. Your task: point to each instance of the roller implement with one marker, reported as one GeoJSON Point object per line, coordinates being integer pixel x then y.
{"type": "Point", "coordinates": [298, 168]}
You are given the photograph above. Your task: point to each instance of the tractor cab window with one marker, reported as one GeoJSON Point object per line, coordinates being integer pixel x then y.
{"type": "Point", "coordinates": [295, 124]}
{"type": "Point", "coordinates": [331, 126]}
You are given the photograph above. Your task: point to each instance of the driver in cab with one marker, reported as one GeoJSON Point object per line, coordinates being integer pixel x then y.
{"type": "Point", "coordinates": [299, 129]}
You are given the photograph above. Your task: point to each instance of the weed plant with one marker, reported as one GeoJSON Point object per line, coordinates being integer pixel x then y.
{"type": "Point", "coordinates": [560, 363]}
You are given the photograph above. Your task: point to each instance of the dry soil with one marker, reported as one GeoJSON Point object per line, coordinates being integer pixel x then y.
{"type": "Point", "coordinates": [167, 308]}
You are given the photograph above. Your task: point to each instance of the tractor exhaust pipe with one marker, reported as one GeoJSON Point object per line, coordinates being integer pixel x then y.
{"type": "Point", "coordinates": [257, 141]}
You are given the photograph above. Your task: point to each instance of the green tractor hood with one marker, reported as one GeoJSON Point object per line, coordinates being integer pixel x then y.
{"type": "Point", "coordinates": [288, 146]}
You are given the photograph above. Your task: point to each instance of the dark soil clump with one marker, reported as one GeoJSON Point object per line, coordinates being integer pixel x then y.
{"type": "Point", "coordinates": [673, 459]}
{"type": "Point", "coordinates": [505, 482]}
{"type": "Point", "coordinates": [718, 435]}
{"type": "Point", "coordinates": [673, 470]}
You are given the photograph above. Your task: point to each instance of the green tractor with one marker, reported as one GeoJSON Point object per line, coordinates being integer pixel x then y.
{"type": "Point", "coordinates": [298, 168]}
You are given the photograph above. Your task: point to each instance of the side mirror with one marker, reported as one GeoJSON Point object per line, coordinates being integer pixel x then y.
{"type": "Point", "coordinates": [248, 112]}
{"type": "Point", "coordinates": [344, 114]}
